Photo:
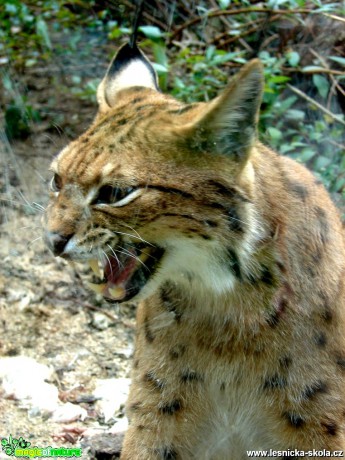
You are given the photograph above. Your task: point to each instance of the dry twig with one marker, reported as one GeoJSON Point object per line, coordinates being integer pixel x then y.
{"type": "Point", "coordinates": [316, 104]}
{"type": "Point", "coordinates": [233, 12]}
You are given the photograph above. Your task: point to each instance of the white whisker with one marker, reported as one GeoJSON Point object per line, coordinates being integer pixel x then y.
{"type": "Point", "coordinates": [115, 255]}
{"type": "Point", "coordinates": [33, 241]}
{"type": "Point", "coordinates": [38, 206]}
{"type": "Point", "coordinates": [106, 256]}
{"type": "Point", "coordinates": [133, 236]}
{"type": "Point", "coordinates": [124, 251]}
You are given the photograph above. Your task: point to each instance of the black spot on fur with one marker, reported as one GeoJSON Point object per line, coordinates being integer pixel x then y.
{"type": "Point", "coordinates": [136, 364]}
{"type": "Point", "coordinates": [137, 99]}
{"type": "Point", "coordinates": [148, 333]}
{"type": "Point", "coordinates": [205, 237]}
{"type": "Point", "coordinates": [311, 390]}
{"type": "Point", "coordinates": [135, 406]}
{"type": "Point", "coordinates": [170, 408]}
{"type": "Point", "coordinates": [273, 320]}
{"type": "Point", "coordinates": [298, 189]}
{"type": "Point", "coordinates": [331, 428]}
{"type": "Point", "coordinates": [235, 221]}
{"type": "Point", "coordinates": [191, 376]}
{"type": "Point", "coordinates": [153, 381]}
{"type": "Point", "coordinates": [122, 122]}
{"type": "Point", "coordinates": [340, 360]}
{"type": "Point", "coordinates": [169, 454]}
{"type": "Point", "coordinates": [177, 351]}
{"type": "Point", "coordinates": [222, 386]}
{"type": "Point", "coordinates": [222, 189]}
{"type": "Point", "coordinates": [275, 382]}
{"type": "Point", "coordinates": [327, 314]}
{"type": "Point", "coordinates": [234, 263]}
{"type": "Point", "coordinates": [168, 303]}
{"type": "Point", "coordinates": [294, 420]}
{"type": "Point", "coordinates": [285, 362]}
{"type": "Point", "coordinates": [211, 223]}
{"type": "Point", "coordinates": [320, 339]}
{"type": "Point", "coordinates": [266, 276]}
{"type": "Point", "coordinates": [281, 267]}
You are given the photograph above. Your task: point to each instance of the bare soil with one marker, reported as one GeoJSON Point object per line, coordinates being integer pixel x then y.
{"type": "Point", "coordinates": [46, 311]}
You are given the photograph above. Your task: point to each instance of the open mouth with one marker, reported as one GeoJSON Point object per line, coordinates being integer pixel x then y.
{"type": "Point", "coordinates": [125, 272]}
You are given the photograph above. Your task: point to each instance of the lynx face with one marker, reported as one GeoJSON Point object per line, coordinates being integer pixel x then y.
{"type": "Point", "coordinates": [156, 190]}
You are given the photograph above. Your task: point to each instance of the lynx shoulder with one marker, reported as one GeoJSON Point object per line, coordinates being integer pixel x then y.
{"type": "Point", "coordinates": [235, 255]}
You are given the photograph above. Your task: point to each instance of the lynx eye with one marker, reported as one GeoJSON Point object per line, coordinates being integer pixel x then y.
{"type": "Point", "coordinates": [56, 183]}
{"type": "Point", "coordinates": [111, 195]}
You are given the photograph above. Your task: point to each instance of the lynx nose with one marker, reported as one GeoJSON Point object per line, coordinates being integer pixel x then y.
{"type": "Point", "coordinates": [56, 242]}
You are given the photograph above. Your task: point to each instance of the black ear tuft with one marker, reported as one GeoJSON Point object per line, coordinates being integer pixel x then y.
{"type": "Point", "coordinates": [129, 68]}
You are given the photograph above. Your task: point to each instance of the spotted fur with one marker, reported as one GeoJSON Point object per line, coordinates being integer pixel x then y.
{"type": "Point", "coordinates": [240, 327]}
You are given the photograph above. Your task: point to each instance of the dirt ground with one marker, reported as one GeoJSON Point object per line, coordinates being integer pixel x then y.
{"type": "Point", "coordinates": [46, 311]}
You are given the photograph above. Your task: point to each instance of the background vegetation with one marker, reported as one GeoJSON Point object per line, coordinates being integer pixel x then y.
{"type": "Point", "coordinates": [53, 53]}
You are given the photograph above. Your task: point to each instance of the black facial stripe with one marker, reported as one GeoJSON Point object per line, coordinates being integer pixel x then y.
{"type": "Point", "coordinates": [173, 190]}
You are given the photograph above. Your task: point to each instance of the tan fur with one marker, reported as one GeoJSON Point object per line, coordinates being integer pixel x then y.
{"type": "Point", "coordinates": [240, 332]}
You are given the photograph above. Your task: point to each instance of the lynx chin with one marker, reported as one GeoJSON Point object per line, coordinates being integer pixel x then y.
{"type": "Point", "coordinates": [235, 255]}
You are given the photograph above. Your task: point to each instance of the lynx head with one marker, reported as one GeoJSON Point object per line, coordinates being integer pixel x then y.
{"type": "Point", "coordinates": [157, 190]}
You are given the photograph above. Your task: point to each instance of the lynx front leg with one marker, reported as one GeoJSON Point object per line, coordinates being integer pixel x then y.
{"type": "Point", "coordinates": [164, 423]}
{"type": "Point", "coordinates": [167, 400]}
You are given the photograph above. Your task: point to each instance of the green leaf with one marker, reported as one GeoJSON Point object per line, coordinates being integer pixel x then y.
{"type": "Point", "coordinates": [287, 103]}
{"type": "Point", "coordinates": [160, 55]}
{"type": "Point", "coordinates": [306, 155]}
{"type": "Point", "coordinates": [159, 68]}
{"type": "Point", "coordinates": [293, 58]}
{"type": "Point", "coordinates": [221, 58]}
{"type": "Point", "coordinates": [279, 79]}
{"type": "Point", "coordinates": [293, 114]}
{"type": "Point", "coordinates": [42, 32]}
{"type": "Point", "coordinates": [151, 31]}
{"type": "Point", "coordinates": [224, 4]}
{"type": "Point", "coordinates": [210, 52]}
{"type": "Point", "coordinates": [338, 59]}
{"type": "Point", "coordinates": [339, 184]}
{"type": "Point", "coordinates": [274, 133]}
{"type": "Point", "coordinates": [322, 162]}
{"type": "Point", "coordinates": [321, 84]}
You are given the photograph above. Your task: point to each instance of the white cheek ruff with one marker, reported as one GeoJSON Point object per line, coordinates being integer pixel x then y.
{"type": "Point", "coordinates": [201, 267]}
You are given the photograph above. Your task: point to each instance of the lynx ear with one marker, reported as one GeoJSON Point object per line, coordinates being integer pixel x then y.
{"type": "Point", "coordinates": [129, 67]}
{"type": "Point", "coordinates": [228, 124]}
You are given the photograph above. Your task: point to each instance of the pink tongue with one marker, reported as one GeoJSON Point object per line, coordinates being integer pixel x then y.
{"type": "Point", "coordinates": [116, 271]}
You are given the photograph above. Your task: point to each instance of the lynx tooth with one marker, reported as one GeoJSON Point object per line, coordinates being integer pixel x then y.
{"type": "Point", "coordinates": [118, 292]}
{"type": "Point", "coordinates": [94, 265]}
{"type": "Point", "coordinates": [98, 288]}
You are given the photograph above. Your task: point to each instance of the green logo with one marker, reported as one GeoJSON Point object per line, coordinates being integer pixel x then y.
{"type": "Point", "coordinates": [21, 448]}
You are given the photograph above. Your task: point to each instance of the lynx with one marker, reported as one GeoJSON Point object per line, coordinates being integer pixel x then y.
{"type": "Point", "coordinates": [235, 255]}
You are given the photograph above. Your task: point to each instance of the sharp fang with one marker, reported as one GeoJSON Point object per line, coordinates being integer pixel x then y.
{"type": "Point", "coordinates": [98, 288]}
{"type": "Point", "coordinates": [118, 292]}
{"type": "Point", "coordinates": [94, 264]}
